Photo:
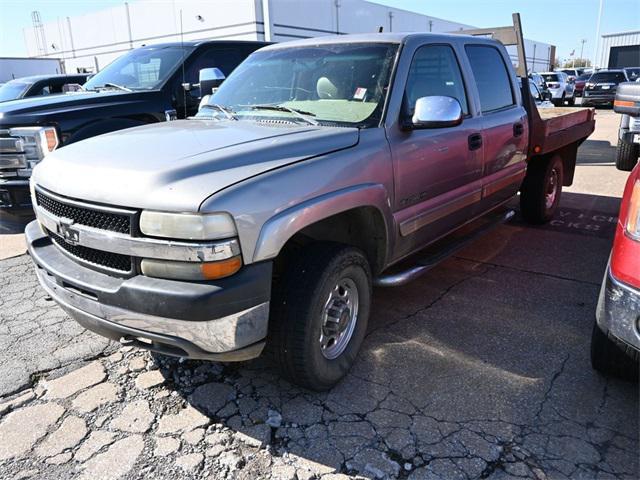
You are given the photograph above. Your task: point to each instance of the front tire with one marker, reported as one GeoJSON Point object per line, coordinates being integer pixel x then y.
{"type": "Point", "coordinates": [627, 155]}
{"type": "Point", "coordinates": [541, 189]}
{"type": "Point", "coordinates": [608, 359]}
{"type": "Point", "coordinates": [320, 314]}
{"type": "Point", "coordinates": [572, 101]}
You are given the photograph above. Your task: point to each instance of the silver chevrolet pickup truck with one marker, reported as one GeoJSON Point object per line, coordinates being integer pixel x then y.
{"type": "Point", "coordinates": [315, 171]}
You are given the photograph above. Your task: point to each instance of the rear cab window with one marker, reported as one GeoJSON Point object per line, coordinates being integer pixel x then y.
{"type": "Point", "coordinates": [492, 78]}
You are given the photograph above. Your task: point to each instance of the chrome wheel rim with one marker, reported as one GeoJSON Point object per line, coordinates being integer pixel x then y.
{"type": "Point", "coordinates": [339, 318]}
{"type": "Point", "coordinates": [552, 189]}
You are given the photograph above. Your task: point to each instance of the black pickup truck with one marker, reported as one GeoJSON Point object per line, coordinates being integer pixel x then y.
{"type": "Point", "coordinates": [150, 84]}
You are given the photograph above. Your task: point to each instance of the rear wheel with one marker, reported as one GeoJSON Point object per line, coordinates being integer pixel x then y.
{"type": "Point", "coordinates": [627, 155]}
{"type": "Point", "coordinates": [320, 314]}
{"type": "Point", "coordinates": [608, 358]}
{"type": "Point", "coordinates": [541, 189]}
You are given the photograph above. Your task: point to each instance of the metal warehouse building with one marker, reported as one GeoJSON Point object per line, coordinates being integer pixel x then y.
{"type": "Point", "coordinates": [89, 42]}
{"type": "Point", "coordinates": [617, 50]}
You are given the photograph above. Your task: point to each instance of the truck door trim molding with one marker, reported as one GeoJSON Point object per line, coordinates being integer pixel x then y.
{"type": "Point", "coordinates": [423, 219]}
{"type": "Point", "coordinates": [497, 185]}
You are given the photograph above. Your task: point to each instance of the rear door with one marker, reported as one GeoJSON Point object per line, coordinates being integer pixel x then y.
{"type": "Point", "coordinates": [437, 170]}
{"type": "Point", "coordinates": [504, 124]}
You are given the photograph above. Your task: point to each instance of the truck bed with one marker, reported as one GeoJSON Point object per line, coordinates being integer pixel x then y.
{"type": "Point", "coordinates": [555, 128]}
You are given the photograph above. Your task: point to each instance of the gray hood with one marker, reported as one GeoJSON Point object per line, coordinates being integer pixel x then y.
{"type": "Point", "coordinates": [176, 165]}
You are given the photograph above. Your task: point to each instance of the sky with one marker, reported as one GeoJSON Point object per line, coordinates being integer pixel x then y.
{"type": "Point", "coordinates": [563, 23]}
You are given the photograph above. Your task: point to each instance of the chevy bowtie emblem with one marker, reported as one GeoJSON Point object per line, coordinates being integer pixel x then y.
{"type": "Point", "coordinates": [69, 235]}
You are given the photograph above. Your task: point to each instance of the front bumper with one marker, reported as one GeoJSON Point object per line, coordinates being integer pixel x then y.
{"type": "Point", "coordinates": [618, 312]}
{"type": "Point", "coordinates": [15, 196]}
{"type": "Point", "coordinates": [225, 320]}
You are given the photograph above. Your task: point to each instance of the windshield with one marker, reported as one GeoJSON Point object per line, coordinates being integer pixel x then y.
{"type": "Point", "coordinates": [584, 76]}
{"type": "Point", "coordinates": [12, 90]}
{"type": "Point", "coordinates": [141, 69]}
{"type": "Point", "coordinates": [338, 85]}
{"type": "Point", "coordinates": [608, 77]}
{"type": "Point", "coordinates": [550, 77]}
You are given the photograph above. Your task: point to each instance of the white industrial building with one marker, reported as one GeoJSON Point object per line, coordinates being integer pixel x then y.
{"type": "Point", "coordinates": [618, 50]}
{"type": "Point", "coordinates": [89, 42]}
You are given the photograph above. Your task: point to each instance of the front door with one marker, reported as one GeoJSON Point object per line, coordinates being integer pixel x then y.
{"type": "Point", "coordinates": [438, 170]}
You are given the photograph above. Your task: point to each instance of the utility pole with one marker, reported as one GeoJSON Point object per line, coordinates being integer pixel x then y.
{"type": "Point", "coordinates": [595, 57]}
{"type": "Point", "coordinates": [583, 41]}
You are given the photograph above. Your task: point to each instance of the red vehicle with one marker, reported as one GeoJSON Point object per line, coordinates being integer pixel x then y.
{"type": "Point", "coordinates": [580, 82]}
{"type": "Point", "coordinates": [615, 343]}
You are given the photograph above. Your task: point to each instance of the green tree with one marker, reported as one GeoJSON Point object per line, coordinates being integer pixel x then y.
{"type": "Point", "coordinates": [579, 62]}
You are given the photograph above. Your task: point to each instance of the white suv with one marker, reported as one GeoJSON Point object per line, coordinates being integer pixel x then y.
{"type": "Point", "coordinates": [562, 89]}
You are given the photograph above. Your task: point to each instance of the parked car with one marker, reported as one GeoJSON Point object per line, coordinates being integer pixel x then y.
{"type": "Point", "coordinates": [150, 84]}
{"type": "Point", "coordinates": [615, 342]}
{"type": "Point", "coordinates": [572, 73]}
{"type": "Point", "coordinates": [580, 82]}
{"type": "Point", "coordinates": [538, 80]}
{"type": "Point", "coordinates": [308, 176]}
{"type": "Point", "coordinates": [541, 98]}
{"type": "Point", "coordinates": [561, 88]}
{"type": "Point", "coordinates": [37, 85]}
{"type": "Point", "coordinates": [601, 88]}
{"type": "Point", "coordinates": [633, 73]}
{"type": "Point", "coordinates": [627, 103]}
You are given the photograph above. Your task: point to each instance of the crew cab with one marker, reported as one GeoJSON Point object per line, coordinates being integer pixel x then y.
{"type": "Point", "coordinates": [320, 168]}
{"type": "Point", "coordinates": [146, 85]}
{"type": "Point", "coordinates": [615, 342]}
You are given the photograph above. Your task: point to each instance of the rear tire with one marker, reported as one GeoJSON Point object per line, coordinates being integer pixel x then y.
{"type": "Point", "coordinates": [608, 359]}
{"type": "Point", "coordinates": [541, 189]}
{"type": "Point", "coordinates": [320, 314]}
{"type": "Point", "coordinates": [627, 155]}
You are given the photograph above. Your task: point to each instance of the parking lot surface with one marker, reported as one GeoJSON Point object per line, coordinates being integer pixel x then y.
{"type": "Point", "coordinates": [479, 369]}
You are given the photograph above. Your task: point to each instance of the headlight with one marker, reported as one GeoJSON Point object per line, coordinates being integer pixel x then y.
{"type": "Point", "coordinates": [190, 270]}
{"type": "Point", "coordinates": [36, 142]}
{"type": "Point", "coordinates": [633, 215]}
{"type": "Point", "coordinates": [187, 226]}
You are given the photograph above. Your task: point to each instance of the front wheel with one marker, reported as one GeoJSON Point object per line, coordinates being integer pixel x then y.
{"type": "Point", "coordinates": [541, 189]}
{"type": "Point", "coordinates": [320, 314]}
{"type": "Point", "coordinates": [572, 101]}
{"type": "Point", "coordinates": [608, 358]}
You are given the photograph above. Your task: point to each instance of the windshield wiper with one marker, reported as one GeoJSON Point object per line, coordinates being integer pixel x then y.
{"type": "Point", "coordinates": [306, 116]}
{"type": "Point", "coordinates": [114, 85]}
{"type": "Point", "coordinates": [228, 112]}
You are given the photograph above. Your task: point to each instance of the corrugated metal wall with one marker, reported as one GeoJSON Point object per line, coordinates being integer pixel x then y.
{"type": "Point", "coordinates": [622, 39]}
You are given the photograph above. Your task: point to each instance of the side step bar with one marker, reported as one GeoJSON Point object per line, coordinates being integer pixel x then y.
{"type": "Point", "coordinates": [430, 261]}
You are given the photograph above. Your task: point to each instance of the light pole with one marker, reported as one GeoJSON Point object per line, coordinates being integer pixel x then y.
{"type": "Point", "coordinates": [595, 59]}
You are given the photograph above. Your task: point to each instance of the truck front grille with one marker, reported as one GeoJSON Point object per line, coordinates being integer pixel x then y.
{"type": "Point", "coordinates": [113, 222]}
{"type": "Point", "coordinates": [98, 258]}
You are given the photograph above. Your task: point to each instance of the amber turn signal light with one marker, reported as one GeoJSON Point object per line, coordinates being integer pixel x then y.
{"type": "Point", "coordinates": [221, 269]}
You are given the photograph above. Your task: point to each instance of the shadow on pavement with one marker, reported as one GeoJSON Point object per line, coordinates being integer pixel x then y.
{"type": "Point", "coordinates": [478, 369]}
{"type": "Point", "coordinates": [597, 152]}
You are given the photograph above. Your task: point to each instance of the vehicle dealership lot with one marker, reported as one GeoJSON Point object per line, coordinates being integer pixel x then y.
{"type": "Point", "coordinates": [480, 369]}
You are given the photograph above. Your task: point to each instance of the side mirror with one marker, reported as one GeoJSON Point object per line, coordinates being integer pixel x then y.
{"type": "Point", "coordinates": [209, 79]}
{"type": "Point", "coordinates": [436, 112]}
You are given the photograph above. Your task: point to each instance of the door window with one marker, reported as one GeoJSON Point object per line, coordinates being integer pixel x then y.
{"type": "Point", "coordinates": [492, 77]}
{"type": "Point", "coordinates": [435, 71]}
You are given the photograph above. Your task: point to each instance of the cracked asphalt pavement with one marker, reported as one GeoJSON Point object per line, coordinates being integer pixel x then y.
{"type": "Point", "coordinates": [479, 369]}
